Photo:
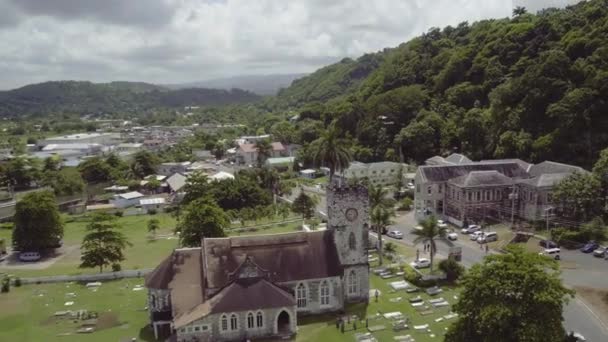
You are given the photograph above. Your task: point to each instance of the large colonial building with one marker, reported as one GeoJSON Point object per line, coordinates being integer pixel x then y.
{"type": "Point", "coordinates": [458, 190]}
{"type": "Point", "coordinates": [238, 288]}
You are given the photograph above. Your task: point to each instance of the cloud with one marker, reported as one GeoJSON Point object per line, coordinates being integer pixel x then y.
{"type": "Point", "coordinates": [171, 41]}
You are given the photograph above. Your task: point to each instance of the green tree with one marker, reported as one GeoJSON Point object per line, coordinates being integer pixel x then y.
{"type": "Point", "coordinates": [332, 151]}
{"type": "Point", "coordinates": [519, 11]}
{"type": "Point", "coordinates": [516, 296]}
{"type": "Point", "coordinates": [452, 269]}
{"type": "Point", "coordinates": [390, 248]}
{"type": "Point", "coordinates": [578, 196]}
{"type": "Point", "coordinates": [304, 205]}
{"type": "Point", "coordinates": [264, 149]}
{"type": "Point", "coordinates": [197, 186]}
{"type": "Point", "coordinates": [381, 218]}
{"type": "Point", "coordinates": [51, 164]}
{"type": "Point", "coordinates": [66, 181]}
{"type": "Point", "coordinates": [37, 222]}
{"type": "Point", "coordinates": [201, 218]}
{"type": "Point", "coordinates": [104, 243]}
{"type": "Point", "coordinates": [430, 233]}
{"type": "Point", "coordinates": [95, 170]}
{"type": "Point", "coordinates": [144, 164]}
{"type": "Point", "coordinates": [284, 210]}
{"type": "Point", "coordinates": [153, 226]}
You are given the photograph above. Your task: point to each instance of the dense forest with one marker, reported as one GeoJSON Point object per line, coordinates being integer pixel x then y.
{"type": "Point", "coordinates": [109, 98]}
{"type": "Point", "coordinates": [532, 86]}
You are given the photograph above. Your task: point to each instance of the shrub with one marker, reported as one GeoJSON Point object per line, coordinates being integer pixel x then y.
{"type": "Point", "coordinates": [116, 268]}
{"type": "Point", "coordinates": [6, 285]}
{"type": "Point", "coordinates": [152, 212]}
{"type": "Point", "coordinates": [118, 213]}
{"type": "Point", "coordinates": [405, 204]}
{"type": "Point", "coordinates": [452, 269]}
{"type": "Point", "coordinates": [17, 282]}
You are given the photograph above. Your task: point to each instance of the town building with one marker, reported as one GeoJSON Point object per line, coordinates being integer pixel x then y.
{"type": "Point", "coordinates": [154, 204]}
{"type": "Point", "coordinates": [250, 287]}
{"type": "Point", "coordinates": [248, 153]}
{"type": "Point", "coordinates": [82, 138]}
{"type": "Point", "coordinates": [381, 173]}
{"type": "Point", "coordinates": [126, 200]}
{"type": "Point", "coordinates": [488, 190]}
{"type": "Point", "coordinates": [168, 169]}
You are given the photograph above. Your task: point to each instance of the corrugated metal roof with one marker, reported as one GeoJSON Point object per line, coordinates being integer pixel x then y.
{"type": "Point", "coordinates": [148, 201]}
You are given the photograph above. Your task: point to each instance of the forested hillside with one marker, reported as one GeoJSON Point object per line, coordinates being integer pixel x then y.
{"type": "Point", "coordinates": [533, 87]}
{"type": "Point", "coordinates": [76, 97]}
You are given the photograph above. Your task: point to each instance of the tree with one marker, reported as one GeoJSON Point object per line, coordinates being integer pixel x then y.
{"type": "Point", "coordinates": [51, 164]}
{"type": "Point", "coordinates": [264, 149]}
{"type": "Point", "coordinates": [430, 233]}
{"type": "Point", "coordinates": [519, 11]}
{"type": "Point", "coordinates": [379, 198]}
{"type": "Point", "coordinates": [331, 151]}
{"type": "Point", "coordinates": [390, 248]}
{"type": "Point", "coordinates": [104, 244]}
{"type": "Point", "coordinates": [153, 226]}
{"type": "Point", "coordinates": [144, 164]}
{"type": "Point", "coordinates": [516, 296]}
{"type": "Point", "coordinates": [284, 210]}
{"type": "Point", "coordinates": [452, 269]}
{"type": "Point", "coordinates": [381, 218]}
{"type": "Point", "coordinates": [578, 196]}
{"type": "Point", "coordinates": [38, 224]}
{"type": "Point", "coordinates": [304, 205]}
{"type": "Point", "coordinates": [201, 218]}
{"type": "Point", "coordinates": [197, 186]}
{"type": "Point", "coordinates": [95, 170]}
{"type": "Point", "coordinates": [66, 181]}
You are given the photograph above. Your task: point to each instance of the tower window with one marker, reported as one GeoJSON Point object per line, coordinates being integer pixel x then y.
{"type": "Point", "coordinates": [352, 282]}
{"type": "Point", "coordinates": [352, 241]}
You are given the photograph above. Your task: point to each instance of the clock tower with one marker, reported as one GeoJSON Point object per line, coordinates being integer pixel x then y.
{"type": "Point", "coordinates": [348, 219]}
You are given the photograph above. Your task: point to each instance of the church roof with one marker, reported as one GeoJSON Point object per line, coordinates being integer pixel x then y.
{"type": "Point", "coordinates": [287, 257]}
{"type": "Point", "coordinates": [240, 295]}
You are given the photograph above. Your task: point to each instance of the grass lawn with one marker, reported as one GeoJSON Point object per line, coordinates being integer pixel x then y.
{"type": "Point", "coordinates": [323, 329]}
{"type": "Point", "coordinates": [27, 313]}
{"type": "Point", "coordinates": [144, 253]}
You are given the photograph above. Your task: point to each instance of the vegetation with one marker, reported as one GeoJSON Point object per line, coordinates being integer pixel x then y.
{"type": "Point", "coordinates": [153, 226]}
{"type": "Point", "coordinates": [429, 234]}
{"type": "Point", "coordinates": [332, 152]}
{"type": "Point", "coordinates": [499, 304]}
{"type": "Point", "coordinates": [104, 243]}
{"type": "Point", "coordinates": [38, 224]}
{"type": "Point", "coordinates": [201, 218]}
{"type": "Point", "coordinates": [304, 205]}
{"type": "Point", "coordinates": [452, 269]}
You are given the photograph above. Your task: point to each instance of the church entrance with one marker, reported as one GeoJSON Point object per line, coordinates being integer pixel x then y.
{"type": "Point", "coordinates": [283, 326]}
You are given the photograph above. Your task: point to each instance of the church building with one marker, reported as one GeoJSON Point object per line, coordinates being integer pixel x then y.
{"type": "Point", "coordinates": [250, 287]}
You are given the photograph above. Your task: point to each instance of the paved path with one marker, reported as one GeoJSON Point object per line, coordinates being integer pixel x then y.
{"type": "Point", "coordinates": [578, 315]}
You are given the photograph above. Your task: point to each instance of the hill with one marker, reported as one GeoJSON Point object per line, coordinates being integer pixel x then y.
{"type": "Point", "coordinates": [258, 84]}
{"type": "Point", "coordinates": [533, 87]}
{"type": "Point", "coordinates": [109, 98]}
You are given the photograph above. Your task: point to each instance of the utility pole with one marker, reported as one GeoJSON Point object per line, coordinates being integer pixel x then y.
{"type": "Point", "coordinates": [547, 211]}
{"type": "Point", "coordinates": [513, 197]}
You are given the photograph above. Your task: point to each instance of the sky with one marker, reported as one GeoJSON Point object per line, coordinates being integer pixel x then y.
{"type": "Point", "coordinates": [176, 41]}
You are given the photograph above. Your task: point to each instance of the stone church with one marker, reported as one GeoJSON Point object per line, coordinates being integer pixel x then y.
{"type": "Point", "coordinates": [238, 288]}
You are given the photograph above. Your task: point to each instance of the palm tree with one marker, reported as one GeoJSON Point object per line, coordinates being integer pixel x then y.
{"type": "Point", "coordinates": [332, 152]}
{"type": "Point", "coordinates": [429, 233]}
{"type": "Point", "coordinates": [378, 197]}
{"type": "Point", "coordinates": [519, 10]}
{"type": "Point", "coordinates": [381, 218]}
{"type": "Point", "coordinates": [264, 151]}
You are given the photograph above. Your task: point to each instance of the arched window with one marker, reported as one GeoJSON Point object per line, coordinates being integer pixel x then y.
{"type": "Point", "coordinates": [224, 323]}
{"type": "Point", "coordinates": [250, 321]}
{"type": "Point", "coordinates": [324, 293]}
{"type": "Point", "coordinates": [301, 295]}
{"type": "Point", "coordinates": [352, 282]}
{"type": "Point", "coordinates": [233, 322]}
{"type": "Point", "coordinates": [352, 242]}
{"type": "Point", "coordinates": [260, 319]}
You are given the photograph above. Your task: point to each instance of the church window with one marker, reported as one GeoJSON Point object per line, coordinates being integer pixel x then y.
{"type": "Point", "coordinates": [324, 293]}
{"type": "Point", "coordinates": [224, 323]}
{"type": "Point", "coordinates": [301, 295]}
{"type": "Point", "coordinates": [197, 328]}
{"type": "Point", "coordinates": [352, 282]}
{"type": "Point", "coordinates": [233, 322]}
{"type": "Point", "coordinates": [260, 319]}
{"type": "Point", "coordinates": [250, 321]}
{"type": "Point", "coordinates": [352, 242]}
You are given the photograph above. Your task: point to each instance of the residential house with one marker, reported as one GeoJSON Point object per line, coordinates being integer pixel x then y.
{"type": "Point", "coordinates": [203, 155]}
{"type": "Point", "coordinates": [176, 182]}
{"type": "Point", "coordinates": [155, 204]}
{"type": "Point", "coordinates": [247, 154]}
{"type": "Point", "coordinates": [126, 200]}
{"type": "Point", "coordinates": [381, 173]}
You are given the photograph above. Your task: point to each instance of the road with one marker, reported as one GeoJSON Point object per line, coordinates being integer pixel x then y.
{"type": "Point", "coordinates": [578, 316]}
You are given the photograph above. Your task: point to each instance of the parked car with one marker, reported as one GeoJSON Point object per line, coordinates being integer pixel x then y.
{"type": "Point", "coordinates": [487, 237]}
{"type": "Point", "coordinates": [421, 263]}
{"type": "Point", "coordinates": [395, 234]}
{"type": "Point", "coordinates": [470, 229]}
{"type": "Point", "coordinates": [579, 337]}
{"type": "Point", "coordinates": [441, 224]}
{"type": "Point", "coordinates": [547, 244]}
{"type": "Point", "coordinates": [29, 256]}
{"type": "Point", "coordinates": [590, 247]}
{"type": "Point", "coordinates": [600, 252]}
{"type": "Point", "coordinates": [475, 235]}
{"type": "Point", "coordinates": [551, 252]}
{"type": "Point", "coordinates": [452, 236]}
{"type": "Point", "coordinates": [418, 227]}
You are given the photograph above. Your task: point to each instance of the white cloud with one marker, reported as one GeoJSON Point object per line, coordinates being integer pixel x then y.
{"type": "Point", "coordinates": [170, 41]}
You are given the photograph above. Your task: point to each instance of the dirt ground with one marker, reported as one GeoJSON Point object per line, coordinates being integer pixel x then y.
{"type": "Point", "coordinates": [597, 298]}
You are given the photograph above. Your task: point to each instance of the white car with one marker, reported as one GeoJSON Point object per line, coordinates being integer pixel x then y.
{"type": "Point", "coordinates": [470, 229]}
{"type": "Point", "coordinates": [421, 263]}
{"type": "Point", "coordinates": [29, 256]}
{"type": "Point", "coordinates": [441, 224]}
{"type": "Point", "coordinates": [476, 235]}
{"type": "Point", "coordinates": [395, 234]}
{"type": "Point", "coordinates": [579, 337]}
{"type": "Point", "coordinates": [452, 236]}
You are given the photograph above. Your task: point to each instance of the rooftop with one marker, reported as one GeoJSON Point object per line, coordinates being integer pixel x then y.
{"type": "Point", "coordinates": [130, 195]}
{"type": "Point", "coordinates": [482, 178]}
{"type": "Point", "coordinates": [78, 136]}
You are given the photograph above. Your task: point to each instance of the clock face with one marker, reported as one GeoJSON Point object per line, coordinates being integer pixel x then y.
{"type": "Point", "coordinates": [351, 214]}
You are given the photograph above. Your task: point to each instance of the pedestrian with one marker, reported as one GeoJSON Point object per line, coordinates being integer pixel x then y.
{"type": "Point", "coordinates": [376, 294]}
{"type": "Point", "coordinates": [487, 249]}
{"type": "Point", "coordinates": [417, 254]}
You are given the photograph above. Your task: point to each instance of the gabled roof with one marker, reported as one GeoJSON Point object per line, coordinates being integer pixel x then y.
{"type": "Point", "coordinates": [482, 178]}
{"type": "Point", "coordinates": [457, 158]}
{"type": "Point", "coordinates": [524, 165]}
{"type": "Point", "coordinates": [176, 181]}
{"type": "Point", "coordinates": [548, 167]}
{"type": "Point", "coordinates": [443, 173]}
{"type": "Point", "coordinates": [545, 180]}
{"type": "Point", "coordinates": [240, 295]}
{"type": "Point", "coordinates": [289, 256]}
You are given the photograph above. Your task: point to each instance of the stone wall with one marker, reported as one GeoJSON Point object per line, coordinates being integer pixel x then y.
{"type": "Point", "coordinates": [313, 298]}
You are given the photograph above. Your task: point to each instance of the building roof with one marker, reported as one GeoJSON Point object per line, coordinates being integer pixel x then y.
{"type": "Point", "coordinates": [149, 201]}
{"type": "Point", "coordinates": [548, 167]}
{"type": "Point", "coordinates": [280, 160]}
{"type": "Point", "coordinates": [289, 257]}
{"type": "Point", "coordinates": [277, 146]}
{"type": "Point", "coordinates": [250, 148]}
{"type": "Point", "coordinates": [545, 180]}
{"type": "Point", "coordinates": [176, 181]}
{"type": "Point", "coordinates": [79, 136]}
{"type": "Point", "coordinates": [240, 295]}
{"type": "Point", "coordinates": [443, 173]}
{"type": "Point", "coordinates": [221, 175]}
{"type": "Point", "coordinates": [130, 195]}
{"type": "Point", "coordinates": [482, 178]}
{"type": "Point", "coordinates": [186, 163]}
{"type": "Point", "coordinates": [129, 145]}
{"type": "Point", "coordinates": [457, 158]}
{"type": "Point", "coordinates": [524, 165]}
{"type": "Point", "coordinates": [77, 147]}
{"type": "Point", "coordinates": [308, 171]}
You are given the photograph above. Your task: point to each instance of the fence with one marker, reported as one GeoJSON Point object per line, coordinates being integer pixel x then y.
{"type": "Point", "coordinates": [87, 277]}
